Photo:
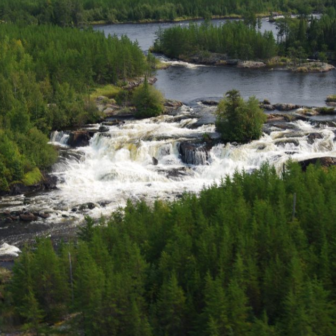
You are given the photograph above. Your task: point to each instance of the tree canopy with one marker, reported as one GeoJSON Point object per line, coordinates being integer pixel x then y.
{"type": "Point", "coordinates": [148, 101]}
{"type": "Point", "coordinates": [239, 120]}
{"type": "Point", "coordinates": [46, 76]}
{"type": "Point", "coordinates": [234, 261]}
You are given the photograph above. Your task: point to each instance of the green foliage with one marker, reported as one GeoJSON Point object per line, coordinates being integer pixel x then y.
{"type": "Point", "coordinates": [233, 38]}
{"type": "Point", "coordinates": [232, 261]}
{"type": "Point", "coordinates": [239, 120]}
{"type": "Point", "coordinates": [45, 84]}
{"type": "Point", "coordinates": [32, 177]}
{"type": "Point", "coordinates": [299, 38]}
{"type": "Point", "coordinates": [78, 12]}
{"type": "Point", "coordinates": [148, 101]}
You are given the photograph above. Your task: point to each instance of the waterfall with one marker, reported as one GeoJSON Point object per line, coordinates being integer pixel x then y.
{"type": "Point", "coordinates": [59, 138]}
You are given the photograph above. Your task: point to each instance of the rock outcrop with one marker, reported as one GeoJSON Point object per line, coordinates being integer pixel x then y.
{"type": "Point", "coordinates": [326, 161]}
{"type": "Point", "coordinates": [195, 154]}
{"type": "Point", "coordinates": [79, 138]}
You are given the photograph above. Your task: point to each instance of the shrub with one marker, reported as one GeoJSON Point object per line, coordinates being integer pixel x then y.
{"type": "Point", "coordinates": [239, 120]}
{"type": "Point", "coordinates": [148, 101]}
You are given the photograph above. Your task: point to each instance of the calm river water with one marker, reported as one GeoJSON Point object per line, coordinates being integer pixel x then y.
{"type": "Point", "coordinates": [187, 82]}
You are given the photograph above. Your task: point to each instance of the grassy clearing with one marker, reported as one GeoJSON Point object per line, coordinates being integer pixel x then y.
{"type": "Point", "coordinates": [108, 90]}
{"type": "Point", "coordinates": [32, 177]}
{"type": "Point", "coordinates": [331, 99]}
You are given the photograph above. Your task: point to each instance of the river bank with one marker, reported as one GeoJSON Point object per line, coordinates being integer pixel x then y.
{"type": "Point", "coordinates": [275, 63]}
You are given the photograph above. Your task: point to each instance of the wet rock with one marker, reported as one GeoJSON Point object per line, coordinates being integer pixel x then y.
{"type": "Point", "coordinates": [171, 105]}
{"type": "Point", "coordinates": [323, 161]}
{"type": "Point", "coordinates": [176, 173]}
{"type": "Point", "coordinates": [155, 161]}
{"type": "Point", "coordinates": [44, 215]}
{"type": "Point", "coordinates": [267, 107]}
{"type": "Point", "coordinates": [103, 129]}
{"type": "Point", "coordinates": [313, 136]}
{"type": "Point", "coordinates": [91, 206]}
{"type": "Point", "coordinates": [275, 117]}
{"type": "Point", "coordinates": [28, 217]}
{"type": "Point", "coordinates": [286, 107]}
{"type": "Point", "coordinates": [104, 203]}
{"type": "Point", "coordinates": [79, 138]}
{"type": "Point", "coordinates": [87, 206]}
{"type": "Point", "coordinates": [195, 154]}
{"type": "Point", "coordinates": [209, 102]}
{"type": "Point", "coordinates": [284, 142]}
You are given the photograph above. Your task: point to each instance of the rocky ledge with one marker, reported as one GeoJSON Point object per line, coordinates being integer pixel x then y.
{"type": "Point", "coordinates": [47, 183]}
{"type": "Point", "coordinates": [312, 67]}
{"type": "Point", "coordinates": [326, 161]}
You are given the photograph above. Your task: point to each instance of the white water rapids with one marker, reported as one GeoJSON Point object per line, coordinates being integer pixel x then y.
{"type": "Point", "coordinates": [118, 165]}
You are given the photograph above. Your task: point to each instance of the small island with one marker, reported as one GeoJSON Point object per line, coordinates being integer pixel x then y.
{"type": "Point", "coordinates": [298, 47]}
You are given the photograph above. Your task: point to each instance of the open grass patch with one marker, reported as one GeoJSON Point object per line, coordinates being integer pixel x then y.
{"type": "Point", "coordinates": [32, 177]}
{"type": "Point", "coordinates": [108, 90]}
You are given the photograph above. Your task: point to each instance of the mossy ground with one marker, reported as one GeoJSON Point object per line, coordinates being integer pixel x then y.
{"type": "Point", "coordinates": [108, 90]}
{"type": "Point", "coordinates": [32, 177]}
{"type": "Point", "coordinates": [331, 98]}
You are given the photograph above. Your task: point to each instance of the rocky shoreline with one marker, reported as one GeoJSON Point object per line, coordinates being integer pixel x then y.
{"type": "Point", "coordinates": [216, 59]}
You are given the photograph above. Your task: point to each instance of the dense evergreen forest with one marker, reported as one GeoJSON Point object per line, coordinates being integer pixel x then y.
{"type": "Point", "coordinates": [45, 80]}
{"type": "Point", "coordinates": [237, 260]}
{"type": "Point", "coordinates": [233, 38]}
{"type": "Point", "coordinates": [296, 38]}
{"type": "Point", "coordinates": [316, 36]}
{"type": "Point", "coordinates": [77, 12]}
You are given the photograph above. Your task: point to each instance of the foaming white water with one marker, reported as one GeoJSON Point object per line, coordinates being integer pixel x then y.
{"type": "Point", "coordinates": [142, 160]}
{"type": "Point", "coordinates": [9, 250]}
{"type": "Point", "coordinates": [188, 65]}
{"type": "Point", "coordinates": [59, 138]}
{"type": "Point", "coordinates": [119, 164]}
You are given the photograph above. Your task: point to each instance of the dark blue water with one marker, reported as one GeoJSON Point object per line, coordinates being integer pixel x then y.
{"type": "Point", "coordinates": [187, 82]}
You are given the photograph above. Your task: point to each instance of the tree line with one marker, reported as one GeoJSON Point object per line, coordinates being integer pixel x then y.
{"type": "Point", "coordinates": [297, 38]}
{"type": "Point", "coordinates": [78, 12]}
{"type": "Point", "coordinates": [254, 255]}
{"type": "Point", "coordinates": [45, 80]}
{"type": "Point", "coordinates": [235, 39]}
{"type": "Point", "coordinates": [308, 36]}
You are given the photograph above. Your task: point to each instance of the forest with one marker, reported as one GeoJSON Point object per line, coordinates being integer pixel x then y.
{"type": "Point", "coordinates": [296, 38]}
{"type": "Point", "coordinates": [314, 37]}
{"type": "Point", "coordinates": [233, 38]}
{"type": "Point", "coordinates": [79, 12]}
{"type": "Point", "coordinates": [254, 255]}
{"type": "Point", "coordinates": [46, 76]}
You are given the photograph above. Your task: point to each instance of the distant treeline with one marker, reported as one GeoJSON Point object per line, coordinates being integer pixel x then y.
{"type": "Point", "coordinates": [296, 38]}
{"type": "Point", "coordinates": [317, 36]}
{"type": "Point", "coordinates": [77, 12]}
{"type": "Point", "coordinates": [45, 80]}
{"type": "Point", "coordinates": [243, 259]}
{"type": "Point", "coordinates": [233, 38]}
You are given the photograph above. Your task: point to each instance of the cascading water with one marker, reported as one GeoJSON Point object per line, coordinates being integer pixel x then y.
{"type": "Point", "coordinates": [144, 160]}
{"type": "Point", "coordinates": [60, 138]}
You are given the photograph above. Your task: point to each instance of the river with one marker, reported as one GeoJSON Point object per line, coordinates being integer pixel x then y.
{"type": "Point", "coordinates": [187, 82]}
{"type": "Point", "coordinates": [141, 159]}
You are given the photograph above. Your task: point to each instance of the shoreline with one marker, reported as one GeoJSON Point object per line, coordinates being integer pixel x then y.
{"type": "Point", "coordinates": [221, 60]}
{"type": "Point", "coordinates": [183, 19]}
